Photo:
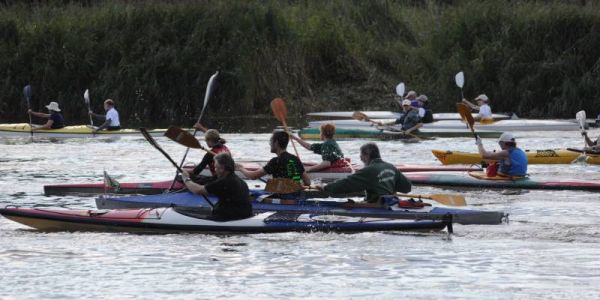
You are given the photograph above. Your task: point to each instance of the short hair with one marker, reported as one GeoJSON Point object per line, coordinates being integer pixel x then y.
{"type": "Point", "coordinates": [282, 138]}
{"type": "Point", "coordinates": [328, 130]}
{"type": "Point", "coordinates": [371, 150]}
{"type": "Point", "coordinates": [109, 102]}
{"type": "Point", "coordinates": [225, 160]}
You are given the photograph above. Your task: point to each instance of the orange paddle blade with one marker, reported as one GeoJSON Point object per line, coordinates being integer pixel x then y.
{"type": "Point", "coordinates": [279, 109]}
{"type": "Point", "coordinates": [465, 113]}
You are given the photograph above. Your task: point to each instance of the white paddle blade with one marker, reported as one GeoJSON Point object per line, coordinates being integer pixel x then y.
{"type": "Point", "coordinates": [209, 90]}
{"type": "Point", "coordinates": [580, 116]}
{"type": "Point", "coordinates": [86, 96]}
{"type": "Point", "coordinates": [460, 79]}
{"type": "Point", "coordinates": [400, 89]}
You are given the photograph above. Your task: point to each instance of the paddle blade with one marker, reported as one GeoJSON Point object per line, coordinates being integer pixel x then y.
{"type": "Point", "coordinates": [183, 137]}
{"type": "Point", "coordinates": [27, 93]}
{"type": "Point", "coordinates": [450, 200]}
{"type": "Point", "coordinates": [279, 109]}
{"type": "Point", "coordinates": [86, 97]}
{"type": "Point", "coordinates": [465, 113]}
{"type": "Point", "coordinates": [580, 116]}
{"type": "Point", "coordinates": [360, 116]}
{"type": "Point", "coordinates": [282, 186]}
{"type": "Point", "coordinates": [400, 89]}
{"type": "Point", "coordinates": [210, 86]}
{"type": "Point", "coordinates": [460, 79]}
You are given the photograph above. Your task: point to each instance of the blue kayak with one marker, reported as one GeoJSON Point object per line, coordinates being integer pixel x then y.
{"type": "Point", "coordinates": [262, 202]}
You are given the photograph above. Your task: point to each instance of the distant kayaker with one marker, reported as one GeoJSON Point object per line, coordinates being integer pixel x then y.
{"type": "Point", "coordinates": [330, 151]}
{"type": "Point", "coordinates": [231, 190]}
{"type": "Point", "coordinates": [512, 161]}
{"type": "Point", "coordinates": [376, 179]}
{"type": "Point", "coordinates": [409, 119]}
{"type": "Point", "coordinates": [285, 165]}
{"type": "Point", "coordinates": [411, 95]}
{"type": "Point", "coordinates": [425, 112]}
{"type": "Point", "coordinates": [485, 111]}
{"type": "Point", "coordinates": [591, 145]}
{"type": "Point", "coordinates": [217, 145]}
{"type": "Point", "coordinates": [111, 118]}
{"type": "Point", "coordinates": [55, 118]}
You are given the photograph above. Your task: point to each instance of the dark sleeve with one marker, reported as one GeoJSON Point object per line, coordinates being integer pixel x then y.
{"type": "Point", "coordinates": [400, 120]}
{"type": "Point", "coordinates": [356, 182]}
{"type": "Point", "coordinates": [205, 161]}
{"type": "Point", "coordinates": [271, 165]}
{"type": "Point", "coordinates": [403, 185]}
{"type": "Point", "coordinates": [316, 148]}
{"type": "Point", "coordinates": [215, 187]}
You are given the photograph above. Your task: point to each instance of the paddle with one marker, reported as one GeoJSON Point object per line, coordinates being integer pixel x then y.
{"type": "Point", "coordinates": [86, 98]}
{"type": "Point", "coordinates": [360, 116]}
{"type": "Point", "coordinates": [446, 199]}
{"type": "Point", "coordinates": [282, 186]}
{"type": "Point", "coordinates": [209, 90]}
{"type": "Point", "coordinates": [185, 138]}
{"type": "Point", "coordinates": [459, 78]}
{"type": "Point", "coordinates": [465, 113]}
{"type": "Point", "coordinates": [280, 113]}
{"type": "Point", "coordinates": [581, 116]}
{"type": "Point", "coordinates": [27, 93]}
{"type": "Point", "coordinates": [154, 144]}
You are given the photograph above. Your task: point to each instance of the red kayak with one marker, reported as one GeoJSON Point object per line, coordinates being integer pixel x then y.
{"type": "Point", "coordinates": [151, 188]}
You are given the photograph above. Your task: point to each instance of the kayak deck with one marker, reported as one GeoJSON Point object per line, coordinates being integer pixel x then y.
{"type": "Point", "coordinates": [549, 156]}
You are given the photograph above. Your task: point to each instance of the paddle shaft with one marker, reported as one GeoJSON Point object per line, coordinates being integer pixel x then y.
{"type": "Point", "coordinates": [27, 94]}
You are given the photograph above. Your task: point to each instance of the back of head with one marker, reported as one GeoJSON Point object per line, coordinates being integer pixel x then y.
{"type": "Point", "coordinates": [328, 130]}
{"type": "Point", "coordinates": [370, 150]}
{"type": "Point", "coordinates": [281, 138]}
{"type": "Point", "coordinates": [225, 160]}
{"type": "Point", "coordinates": [214, 136]}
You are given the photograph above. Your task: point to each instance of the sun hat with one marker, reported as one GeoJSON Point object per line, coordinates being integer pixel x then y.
{"type": "Point", "coordinates": [483, 98]}
{"type": "Point", "coordinates": [406, 102]}
{"type": "Point", "coordinates": [411, 94]}
{"type": "Point", "coordinates": [53, 106]}
{"type": "Point", "coordinates": [422, 98]}
{"type": "Point", "coordinates": [506, 137]}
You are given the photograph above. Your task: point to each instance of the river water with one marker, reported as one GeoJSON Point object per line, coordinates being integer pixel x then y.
{"type": "Point", "coordinates": [549, 249]}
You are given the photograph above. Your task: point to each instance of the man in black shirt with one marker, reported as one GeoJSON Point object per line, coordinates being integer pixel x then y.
{"type": "Point", "coordinates": [285, 165]}
{"type": "Point", "coordinates": [229, 188]}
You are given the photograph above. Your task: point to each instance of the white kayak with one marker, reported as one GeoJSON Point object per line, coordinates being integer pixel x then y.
{"type": "Point", "coordinates": [377, 114]}
{"type": "Point", "coordinates": [503, 125]}
{"type": "Point", "coordinates": [79, 131]}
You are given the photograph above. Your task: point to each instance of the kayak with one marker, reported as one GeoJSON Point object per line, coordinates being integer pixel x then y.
{"type": "Point", "coordinates": [262, 202]}
{"type": "Point", "coordinates": [502, 125]}
{"type": "Point", "coordinates": [313, 133]}
{"type": "Point", "coordinates": [480, 180]}
{"type": "Point", "coordinates": [550, 156]}
{"type": "Point", "coordinates": [159, 187]}
{"type": "Point", "coordinates": [79, 131]}
{"type": "Point", "coordinates": [395, 115]}
{"type": "Point", "coordinates": [173, 219]}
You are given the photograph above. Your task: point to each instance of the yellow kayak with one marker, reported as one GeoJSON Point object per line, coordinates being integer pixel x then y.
{"type": "Point", "coordinates": [79, 131]}
{"type": "Point", "coordinates": [551, 156]}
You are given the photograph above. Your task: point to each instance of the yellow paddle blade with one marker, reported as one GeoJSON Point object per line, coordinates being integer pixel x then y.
{"type": "Point", "coordinates": [446, 199]}
{"type": "Point", "coordinates": [184, 138]}
{"type": "Point", "coordinates": [282, 186]}
{"type": "Point", "coordinates": [279, 109]}
{"type": "Point", "coordinates": [465, 113]}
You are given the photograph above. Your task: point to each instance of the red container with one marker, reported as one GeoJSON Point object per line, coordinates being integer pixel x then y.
{"type": "Point", "coordinates": [492, 169]}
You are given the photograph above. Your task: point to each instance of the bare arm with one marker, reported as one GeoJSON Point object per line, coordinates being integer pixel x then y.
{"type": "Point", "coordinates": [48, 125]}
{"type": "Point", "coordinates": [192, 186]}
{"type": "Point", "coordinates": [305, 179]}
{"type": "Point", "coordinates": [588, 141]}
{"type": "Point", "coordinates": [301, 142]}
{"type": "Point", "coordinates": [419, 125]}
{"type": "Point", "coordinates": [323, 165]}
{"type": "Point", "coordinates": [39, 114]}
{"type": "Point", "coordinates": [473, 106]}
{"type": "Point", "coordinates": [99, 116]}
{"type": "Point", "coordinates": [492, 155]}
{"type": "Point", "coordinates": [250, 174]}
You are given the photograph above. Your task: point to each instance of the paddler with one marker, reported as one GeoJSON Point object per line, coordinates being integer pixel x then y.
{"type": "Point", "coordinates": [55, 118]}
{"type": "Point", "coordinates": [217, 145]}
{"type": "Point", "coordinates": [378, 178]}
{"type": "Point", "coordinates": [330, 151]}
{"type": "Point", "coordinates": [285, 165]}
{"type": "Point", "coordinates": [591, 145]}
{"type": "Point", "coordinates": [512, 160]}
{"type": "Point", "coordinates": [485, 111]}
{"type": "Point", "coordinates": [409, 119]}
{"type": "Point", "coordinates": [111, 118]}
{"type": "Point", "coordinates": [425, 112]}
{"type": "Point", "coordinates": [231, 190]}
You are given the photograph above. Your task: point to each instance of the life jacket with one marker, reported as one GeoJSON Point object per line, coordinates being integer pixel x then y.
{"type": "Point", "coordinates": [219, 148]}
{"type": "Point", "coordinates": [518, 163]}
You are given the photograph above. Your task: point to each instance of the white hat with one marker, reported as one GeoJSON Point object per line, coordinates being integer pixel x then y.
{"type": "Point", "coordinates": [483, 98]}
{"type": "Point", "coordinates": [53, 106]}
{"type": "Point", "coordinates": [411, 94]}
{"type": "Point", "coordinates": [506, 137]}
{"type": "Point", "coordinates": [406, 102]}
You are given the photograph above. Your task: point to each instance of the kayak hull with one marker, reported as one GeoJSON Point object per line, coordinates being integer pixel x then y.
{"type": "Point", "coordinates": [80, 131]}
{"type": "Point", "coordinates": [550, 156]}
{"type": "Point", "coordinates": [169, 220]}
{"type": "Point", "coordinates": [395, 115]}
{"type": "Point", "coordinates": [263, 202]}
{"type": "Point", "coordinates": [502, 125]}
{"type": "Point", "coordinates": [466, 180]}
{"type": "Point", "coordinates": [313, 133]}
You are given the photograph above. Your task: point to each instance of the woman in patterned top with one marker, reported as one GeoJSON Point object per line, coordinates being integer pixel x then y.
{"type": "Point", "coordinates": [330, 151]}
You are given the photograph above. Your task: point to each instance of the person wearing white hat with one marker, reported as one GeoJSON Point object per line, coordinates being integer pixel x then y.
{"type": "Point", "coordinates": [111, 118]}
{"type": "Point", "coordinates": [409, 119]}
{"type": "Point", "coordinates": [512, 160]}
{"type": "Point", "coordinates": [55, 118]}
{"type": "Point", "coordinates": [485, 111]}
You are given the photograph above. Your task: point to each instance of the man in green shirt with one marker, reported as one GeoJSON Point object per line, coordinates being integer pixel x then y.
{"type": "Point", "coordinates": [377, 178]}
